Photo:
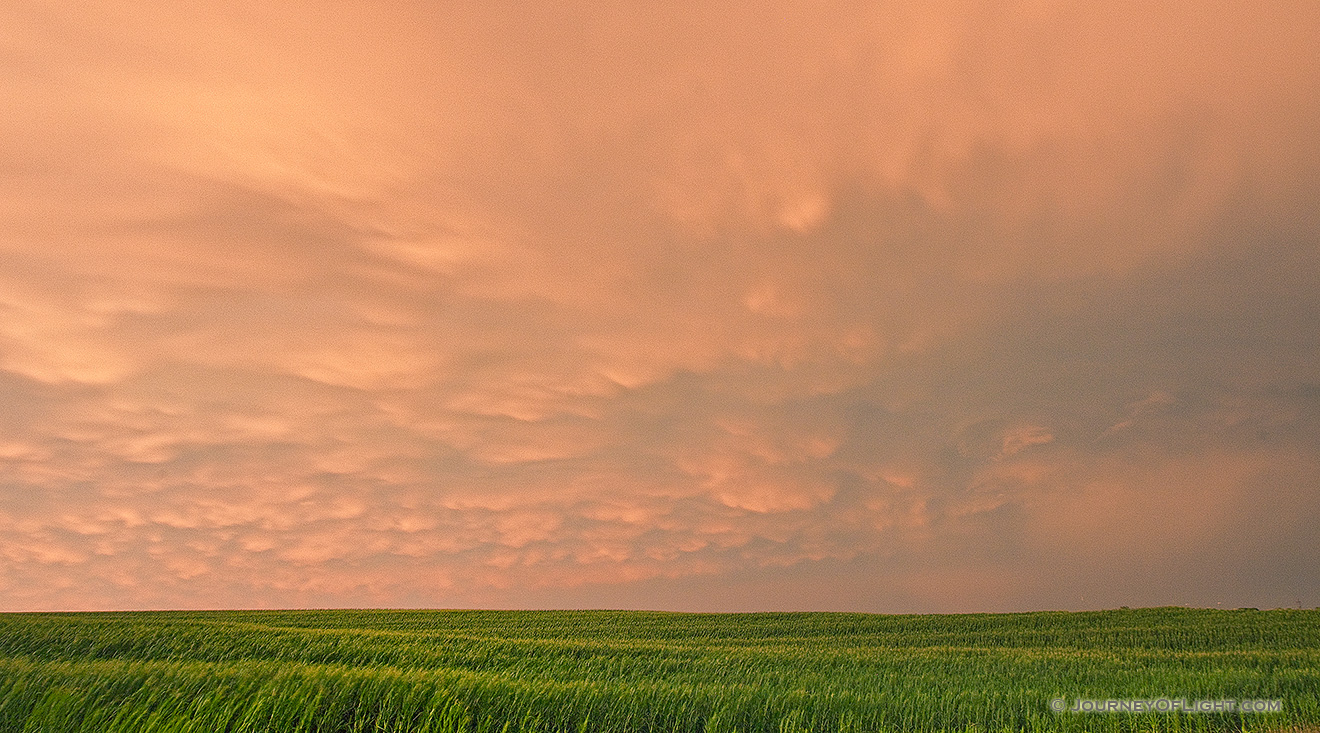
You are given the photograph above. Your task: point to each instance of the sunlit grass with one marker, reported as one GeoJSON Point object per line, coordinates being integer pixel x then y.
{"type": "Point", "coordinates": [635, 671]}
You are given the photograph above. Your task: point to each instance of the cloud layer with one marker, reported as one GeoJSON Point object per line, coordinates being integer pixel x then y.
{"type": "Point", "coordinates": [905, 306]}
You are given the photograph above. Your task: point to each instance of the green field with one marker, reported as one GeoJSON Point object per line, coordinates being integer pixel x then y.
{"type": "Point", "coordinates": [643, 671]}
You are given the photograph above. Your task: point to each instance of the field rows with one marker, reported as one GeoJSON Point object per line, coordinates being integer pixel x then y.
{"type": "Point", "coordinates": [636, 671]}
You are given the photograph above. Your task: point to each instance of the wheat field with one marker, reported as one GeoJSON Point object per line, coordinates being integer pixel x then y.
{"type": "Point", "coordinates": [578, 671]}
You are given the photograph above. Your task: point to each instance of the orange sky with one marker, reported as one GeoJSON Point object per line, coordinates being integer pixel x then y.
{"type": "Point", "coordinates": [882, 306]}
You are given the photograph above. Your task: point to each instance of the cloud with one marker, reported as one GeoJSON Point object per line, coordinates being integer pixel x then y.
{"type": "Point", "coordinates": [961, 306]}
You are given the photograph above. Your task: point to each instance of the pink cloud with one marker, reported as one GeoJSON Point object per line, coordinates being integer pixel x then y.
{"type": "Point", "coordinates": [447, 305]}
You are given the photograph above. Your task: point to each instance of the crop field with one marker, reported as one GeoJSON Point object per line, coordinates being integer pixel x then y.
{"type": "Point", "coordinates": [579, 671]}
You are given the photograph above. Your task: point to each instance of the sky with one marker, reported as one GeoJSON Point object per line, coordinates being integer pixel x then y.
{"type": "Point", "coordinates": [701, 305]}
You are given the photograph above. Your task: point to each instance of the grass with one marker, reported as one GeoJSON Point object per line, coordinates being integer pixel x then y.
{"type": "Point", "coordinates": [578, 671]}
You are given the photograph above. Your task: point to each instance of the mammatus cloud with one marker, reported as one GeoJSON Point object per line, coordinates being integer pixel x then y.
{"type": "Point", "coordinates": [891, 307]}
